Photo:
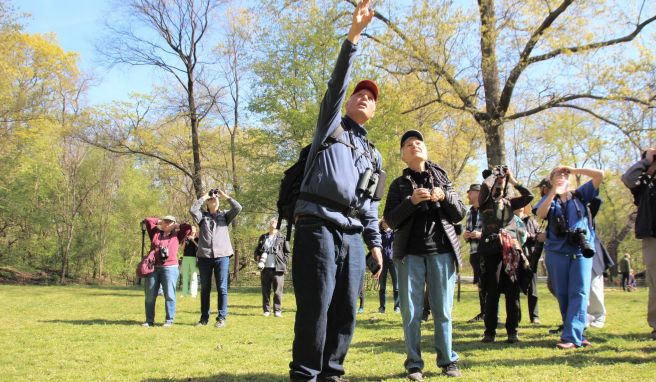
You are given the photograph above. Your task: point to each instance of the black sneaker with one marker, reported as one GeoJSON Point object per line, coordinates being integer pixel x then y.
{"type": "Point", "coordinates": [414, 374]}
{"type": "Point", "coordinates": [451, 370]}
{"type": "Point", "coordinates": [512, 338]}
{"type": "Point", "coordinates": [478, 318]}
{"type": "Point", "coordinates": [488, 338]}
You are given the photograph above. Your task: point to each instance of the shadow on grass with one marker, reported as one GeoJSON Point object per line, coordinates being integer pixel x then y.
{"type": "Point", "coordinates": [264, 377]}
{"type": "Point", "coordinates": [98, 321]}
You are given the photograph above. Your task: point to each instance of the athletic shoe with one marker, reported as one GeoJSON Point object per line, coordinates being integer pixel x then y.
{"type": "Point", "coordinates": [201, 323]}
{"type": "Point", "coordinates": [512, 338]}
{"type": "Point", "coordinates": [277, 313]}
{"type": "Point", "coordinates": [266, 314]}
{"type": "Point", "coordinates": [381, 309]}
{"type": "Point", "coordinates": [220, 323]}
{"type": "Point", "coordinates": [488, 338]}
{"type": "Point", "coordinates": [451, 370]}
{"type": "Point", "coordinates": [168, 324]}
{"type": "Point", "coordinates": [147, 324]}
{"type": "Point", "coordinates": [360, 310]}
{"type": "Point", "coordinates": [414, 374]}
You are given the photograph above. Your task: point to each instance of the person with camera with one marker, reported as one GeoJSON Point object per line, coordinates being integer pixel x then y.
{"type": "Point", "coordinates": [423, 207]}
{"type": "Point", "coordinates": [337, 208]}
{"type": "Point", "coordinates": [503, 264]}
{"type": "Point", "coordinates": [214, 251]}
{"type": "Point", "coordinates": [271, 256]}
{"type": "Point", "coordinates": [531, 247]}
{"type": "Point", "coordinates": [189, 266]}
{"type": "Point", "coordinates": [641, 180]}
{"type": "Point", "coordinates": [472, 236]}
{"type": "Point", "coordinates": [569, 247]}
{"type": "Point", "coordinates": [165, 238]}
{"type": "Point", "coordinates": [387, 236]}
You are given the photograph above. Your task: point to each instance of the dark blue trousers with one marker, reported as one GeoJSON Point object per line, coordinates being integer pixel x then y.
{"type": "Point", "coordinates": [327, 270]}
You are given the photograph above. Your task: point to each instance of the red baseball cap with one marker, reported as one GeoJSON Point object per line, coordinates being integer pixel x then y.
{"type": "Point", "coordinates": [368, 85]}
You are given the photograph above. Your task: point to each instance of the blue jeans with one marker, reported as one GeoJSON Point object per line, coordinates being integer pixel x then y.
{"type": "Point", "coordinates": [218, 266]}
{"type": "Point", "coordinates": [438, 271]}
{"type": "Point", "coordinates": [388, 266]}
{"type": "Point", "coordinates": [327, 269]}
{"type": "Point", "coordinates": [570, 277]}
{"type": "Point", "coordinates": [168, 278]}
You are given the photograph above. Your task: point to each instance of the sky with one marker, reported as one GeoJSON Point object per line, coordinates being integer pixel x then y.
{"type": "Point", "coordinates": [77, 25]}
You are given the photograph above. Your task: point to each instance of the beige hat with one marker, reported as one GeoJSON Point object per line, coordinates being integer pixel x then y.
{"type": "Point", "coordinates": [169, 217]}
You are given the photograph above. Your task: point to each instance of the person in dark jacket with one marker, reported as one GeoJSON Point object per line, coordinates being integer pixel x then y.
{"type": "Point", "coordinates": [641, 180]}
{"type": "Point", "coordinates": [387, 236]}
{"type": "Point", "coordinates": [501, 253]}
{"type": "Point", "coordinates": [214, 251]}
{"type": "Point", "coordinates": [271, 255]}
{"type": "Point", "coordinates": [333, 215]}
{"type": "Point", "coordinates": [472, 236]}
{"type": "Point", "coordinates": [422, 207]}
{"type": "Point", "coordinates": [625, 270]}
{"type": "Point", "coordinates": [532, 232]}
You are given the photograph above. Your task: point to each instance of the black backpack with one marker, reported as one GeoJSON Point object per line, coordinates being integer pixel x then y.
{"type": "Point", "coordinates": [290, 185]}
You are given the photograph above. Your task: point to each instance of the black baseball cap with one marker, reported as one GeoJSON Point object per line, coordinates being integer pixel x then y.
{"type": "Point", "coordinates": [410, 134]}
{"type": "Point", "coordinates": [544, 183]}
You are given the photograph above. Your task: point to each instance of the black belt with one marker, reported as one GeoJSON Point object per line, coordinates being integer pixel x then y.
{"type": "Point", "coordinates": [348, 211]}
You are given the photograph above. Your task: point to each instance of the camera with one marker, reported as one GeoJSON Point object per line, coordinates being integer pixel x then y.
{"type": "Point", "coordinates": [578, 238]}
{"type": "Point", "coordinates": [164, 252]}
{"type": "Point", "coordinates": [500, 171]}
{"type": "Point", "coordinates": [263, 259]}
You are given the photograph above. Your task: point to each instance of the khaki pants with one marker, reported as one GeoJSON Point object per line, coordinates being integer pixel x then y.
{"type": "Point", "coordinates": [649, 258]}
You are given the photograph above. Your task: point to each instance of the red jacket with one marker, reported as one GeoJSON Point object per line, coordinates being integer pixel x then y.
{"type": "Point", "coordinates": [159, 240]}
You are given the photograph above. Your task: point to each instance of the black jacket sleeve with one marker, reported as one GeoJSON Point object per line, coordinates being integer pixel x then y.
{"type": "Point", "coordinates": [398, 208]}
{"type": "Point", "coordinates": [520, 201]}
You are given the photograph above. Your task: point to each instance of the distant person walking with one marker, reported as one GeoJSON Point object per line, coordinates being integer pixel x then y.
{"type": "Point", "coordinates": [625, 270]}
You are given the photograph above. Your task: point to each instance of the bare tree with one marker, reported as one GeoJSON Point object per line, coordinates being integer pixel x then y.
{"type": "Point", "coordinates": [447, 56]}
{"type": "Point", "coordinates": [170, 35]}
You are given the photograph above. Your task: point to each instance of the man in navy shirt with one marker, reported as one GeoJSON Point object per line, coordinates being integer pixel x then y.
{"type": "Point", "coordinates": [333, 214]}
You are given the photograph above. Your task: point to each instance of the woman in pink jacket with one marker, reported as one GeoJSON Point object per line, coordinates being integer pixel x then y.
{"type": "Point", "coordinates": [165, 237]}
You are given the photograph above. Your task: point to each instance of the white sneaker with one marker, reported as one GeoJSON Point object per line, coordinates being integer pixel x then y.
{"type": "Point", "coordinates": [266, 314]}
{"type": "Point", "coordinates": [277, 313]}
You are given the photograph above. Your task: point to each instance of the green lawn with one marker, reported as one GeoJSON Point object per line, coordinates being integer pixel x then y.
{"type": "Point", "coordinates": [83, 333]}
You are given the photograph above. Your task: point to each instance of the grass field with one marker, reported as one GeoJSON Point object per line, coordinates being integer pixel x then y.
{"type": "Point", "coordinates": [83, 333]}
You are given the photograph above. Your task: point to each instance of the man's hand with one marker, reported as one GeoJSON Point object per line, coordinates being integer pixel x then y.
{"type": "Point", "coordinates": [223, 194]}
{"type": "Point", "coordinates": [511, 178]}
{"type": "Point", "coordinates": [419, 195]}
{"type": "Point", "coordinates": [438, 194]}
{"type": "Point", "coordinates": [378, 256]}
{"type": "Point", "coordinates": [361, 18]}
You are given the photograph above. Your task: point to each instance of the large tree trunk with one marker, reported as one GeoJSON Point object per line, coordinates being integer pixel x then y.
{"type": "Point", "coordinates": [197, 179]}
{"type": "Point", "coordinates": [494, 134]}
{"type": "Point", "coordinates": [494, 144]}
